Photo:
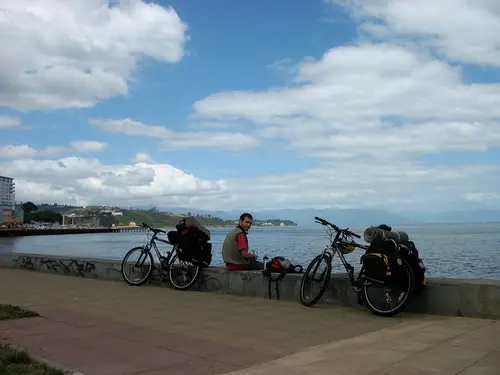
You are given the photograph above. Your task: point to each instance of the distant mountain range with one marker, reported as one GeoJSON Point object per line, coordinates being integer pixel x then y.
{"type": "Point", "coordinates": [462, 216]}
{"type": "Point", "coordinates": [341, 217]}
{"type": "Point", "coordinates": [353, 217]}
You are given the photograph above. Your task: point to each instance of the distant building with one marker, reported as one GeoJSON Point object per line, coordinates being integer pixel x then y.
{"type": "Point", "coordinates": [7, 192]}
{"type": "Point", "coordinates": [8, 212]}
{"type": "Point", "coordinates": [112, 212]}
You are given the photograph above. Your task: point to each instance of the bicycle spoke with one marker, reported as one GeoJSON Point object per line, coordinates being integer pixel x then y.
{"type": "Point", "coordinates": [137, 266]}
{"type": "Point", "coordinates": [183, 274]}
{"type": "Point", "coordinates": [392, 297]}
{"type": "Point", "coordinates": [317, 276]}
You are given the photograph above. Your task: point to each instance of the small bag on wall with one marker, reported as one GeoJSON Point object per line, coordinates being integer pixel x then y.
{"type": "Point", "coordinates": [276, 269]}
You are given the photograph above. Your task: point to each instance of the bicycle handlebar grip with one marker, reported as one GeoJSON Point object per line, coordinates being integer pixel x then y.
{"type": "Point", "coordinates": [355, 235]}
{"type": "Point", "coordinates": [322, 221]}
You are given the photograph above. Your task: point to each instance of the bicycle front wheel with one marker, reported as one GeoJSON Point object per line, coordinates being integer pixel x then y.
{"type": "Point", "coordinates": [182, 275]}
{"type": "Point", "coordinates": [317, 276]}
{"type": "Point", "coordinates": [137, 266]}
{"type": "Point", "coordinates": [391, 298]}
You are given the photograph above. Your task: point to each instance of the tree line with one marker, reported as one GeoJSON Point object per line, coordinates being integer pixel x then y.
{"type": "Point", "coordinates": [31, 213]}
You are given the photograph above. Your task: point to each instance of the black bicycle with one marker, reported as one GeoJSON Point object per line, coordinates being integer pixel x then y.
{"type": "Point", "coordinates": [181, 275]}
{"type": "Point", "coordinates": [342, 243]}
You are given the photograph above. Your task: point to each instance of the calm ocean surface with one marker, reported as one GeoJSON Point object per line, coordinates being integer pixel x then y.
{"type": "Point", "coordinates": [449, 250]}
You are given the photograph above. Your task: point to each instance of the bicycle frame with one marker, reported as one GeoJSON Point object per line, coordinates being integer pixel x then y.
{"type": "Point", "coordinates": [333, 249]}
{"type": "Point", "coordinates": [164, 261]}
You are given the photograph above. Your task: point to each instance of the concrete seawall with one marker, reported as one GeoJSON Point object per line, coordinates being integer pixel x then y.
{"type": "Point", "coordinates": [454, 297]}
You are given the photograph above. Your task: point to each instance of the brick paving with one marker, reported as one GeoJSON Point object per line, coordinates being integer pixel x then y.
{"type": "Point", "coordinates": [104, 328]}
{"type": "Point", "coordinates": [102, 346]}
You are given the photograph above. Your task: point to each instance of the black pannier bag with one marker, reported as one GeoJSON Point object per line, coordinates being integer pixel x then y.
{"type": "Point", "coordinates": [173, 237]}
{"type": "Point", "coordinates": [380, 262]}
{"type": "Point", "coordinates": [385, 244]}
{"type": "Point", "coordinates": [397, 246]}
{"type": "Point", "coordinates": [193, 245]}
{"type": "Point", "coordinates": [376, 267]}
{"type": "Point", "coordinates": [409, 252]}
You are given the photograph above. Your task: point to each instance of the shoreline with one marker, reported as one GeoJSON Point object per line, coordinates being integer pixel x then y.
{"type": "Point", "coordinates": [23, 232]}
{"type": "Point", "coordinates": [20, 232]}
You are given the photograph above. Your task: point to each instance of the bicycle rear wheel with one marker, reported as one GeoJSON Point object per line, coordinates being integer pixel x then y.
{"type": "Point", "coordinates": [137, 266]}
{"type": "Point", "coordinates": [182, 275]}
{"type": "Point", "coordinates": [315, 272]}
{"type": "Point", "coordinates": [403, 292]}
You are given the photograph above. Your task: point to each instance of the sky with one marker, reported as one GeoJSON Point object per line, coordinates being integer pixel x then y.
{"type": "Point", "coordinates": [253, 105]}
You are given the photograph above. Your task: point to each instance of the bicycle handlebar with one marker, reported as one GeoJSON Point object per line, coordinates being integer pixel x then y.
{"type": "Point", "coordinates": [336, 228]}
{"type": "Point", "coordinates": [154, 230]}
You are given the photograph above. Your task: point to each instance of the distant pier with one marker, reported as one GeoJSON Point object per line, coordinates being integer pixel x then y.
{"type": "Point", "coordinates": [136, 229]}
{"type": "Point", "coordinates": [21, 232]}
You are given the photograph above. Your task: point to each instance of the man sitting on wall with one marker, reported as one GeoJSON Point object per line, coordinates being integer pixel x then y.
{"type": "Point", "coordinates": [235, 247]}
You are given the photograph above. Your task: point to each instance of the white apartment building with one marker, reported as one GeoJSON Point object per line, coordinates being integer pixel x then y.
{"type": "Point", "coordinates": [7, 192]}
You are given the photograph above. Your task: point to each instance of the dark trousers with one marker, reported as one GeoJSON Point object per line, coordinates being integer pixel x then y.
{"type": "Point", "coordinates": [252, 266]}
{"type": "Point", "coordinates": [256, 265]}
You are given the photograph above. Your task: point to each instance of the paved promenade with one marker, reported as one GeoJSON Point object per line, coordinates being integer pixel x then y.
{"type": "Point", "coordinates": [103, 328]}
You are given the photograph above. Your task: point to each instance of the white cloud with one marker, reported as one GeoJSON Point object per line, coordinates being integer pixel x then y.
{"type": "Point", "coordinates": [377, 100]}
{"type": "Point", "coordinates": [281, 64]}
{"type": "Point", "coordinates": [89, 146]}
{"type": "Point", "coordinates": [213, 125]}
{"type": "Point", "coordinates": [17, 151]}
{"type": "Point", "coordinates": [370, 113]}
{"type": "Point", "coordinates": [397, 186]}
{"type": "Point", "coordinates": [143, 158]}
{"type": "Point", "coordinates": [479, 197]}
{"type": "Point", "coordinates": [24, 151]}
{"type": "Point", "coordinates": [67, 54]}
{"type": "Point", "coordinates": [8, 122]}
{"type": "Point", "coordinates": [461, 30]}
{"type": "Point", "coordinates": [177, 140]}
{"type": "Point", "coordinates": [85, 181]}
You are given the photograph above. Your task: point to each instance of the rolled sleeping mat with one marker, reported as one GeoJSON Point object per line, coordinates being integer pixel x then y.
{"type": "Point", "coordinates": [373, 233]}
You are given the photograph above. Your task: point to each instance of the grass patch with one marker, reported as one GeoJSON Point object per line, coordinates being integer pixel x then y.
{"type": "Point", "coordinates": [9, 312]}
{"type": "Point", "coordinates": [18, 363]}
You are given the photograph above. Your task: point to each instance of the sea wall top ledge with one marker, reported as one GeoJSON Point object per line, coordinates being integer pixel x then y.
{"type": "Point", "coordinates": [9, 259]}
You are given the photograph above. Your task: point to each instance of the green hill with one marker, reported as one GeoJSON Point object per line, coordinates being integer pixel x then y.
{"type": "Point", "coordinates": [151, 217]}
{"type": "Point", "coordinates": [166, 219]}
{"type": "Point", "coordinates": [109, 215]}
